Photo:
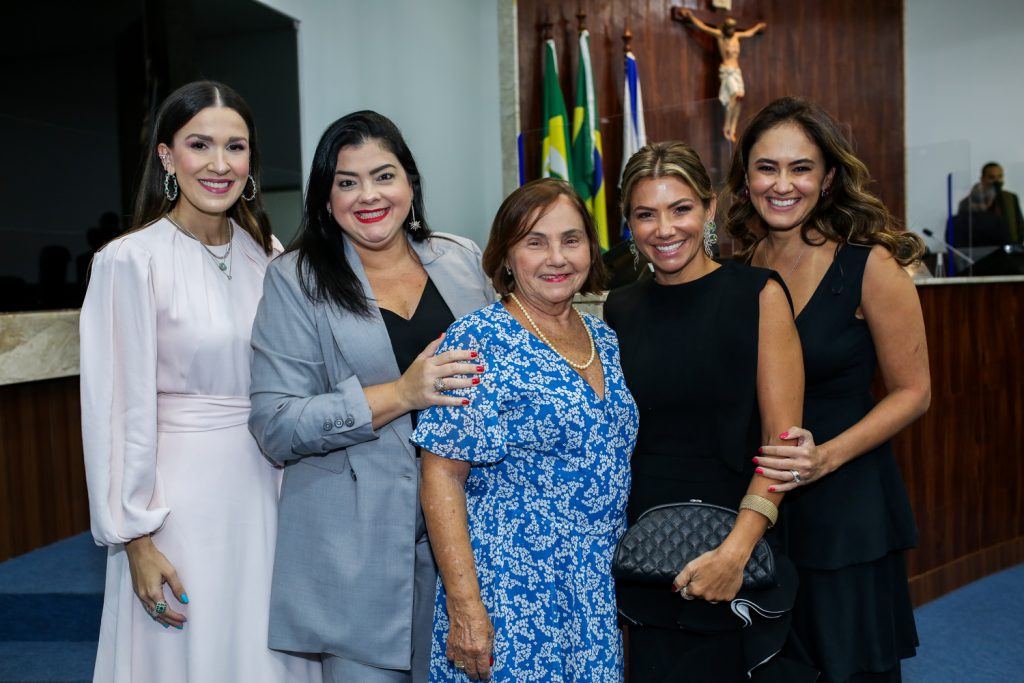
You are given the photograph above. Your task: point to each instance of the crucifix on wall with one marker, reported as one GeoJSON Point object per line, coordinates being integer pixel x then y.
{"type": "Point", "coordinates": [731, 90]}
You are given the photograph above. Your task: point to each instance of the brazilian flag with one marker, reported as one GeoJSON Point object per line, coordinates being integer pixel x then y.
{"type": "Point", "coordinates": [587, 164]}
{"type": "Point", "coordinates": [555, 149]}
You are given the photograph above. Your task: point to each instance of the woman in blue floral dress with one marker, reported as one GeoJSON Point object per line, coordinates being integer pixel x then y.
{"type": "Point", "coordinates": [525, 488]}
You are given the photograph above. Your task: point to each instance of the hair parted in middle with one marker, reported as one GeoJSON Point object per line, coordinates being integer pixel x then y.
{"type": "Point", "coordinates": [848, 213]}
{"type": "Point", "coordinates": [517, 215]}
{"type": "Point", "coordinates": [671, 158]}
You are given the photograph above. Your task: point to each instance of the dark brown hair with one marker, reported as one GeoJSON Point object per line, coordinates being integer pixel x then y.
{"type": "Point", "coordinates": [177, 110]}
{"type": "Point", "coordinates": [516, 217]}
{"type": "Point", "coordinates": [848, 213]}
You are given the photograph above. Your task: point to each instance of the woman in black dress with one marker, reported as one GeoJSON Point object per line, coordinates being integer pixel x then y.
{"type": "Point", "coordinates": [801, 208]}
{"type": "Point", "coordinates": [711, 355]}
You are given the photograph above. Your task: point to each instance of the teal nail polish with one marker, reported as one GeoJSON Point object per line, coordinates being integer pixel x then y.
{"type": "Point", "coordinates": [166, 625]}
{"type": "Point", "coordinates": [184, 598]}
{"type": "Point", "coordinates": [180, 627]}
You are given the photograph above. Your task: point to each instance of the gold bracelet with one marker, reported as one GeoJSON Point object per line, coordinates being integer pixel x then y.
{"type": "Point", "coordinates": [761, 505]}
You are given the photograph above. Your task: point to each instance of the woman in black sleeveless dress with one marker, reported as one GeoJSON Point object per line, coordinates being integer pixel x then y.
{"type": "Point", "coordinates": [800, 207]}
{"type": "Point", "coordinates": [710, 353]}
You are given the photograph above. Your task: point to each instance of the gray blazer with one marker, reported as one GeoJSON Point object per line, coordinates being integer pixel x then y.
{"type": "Point", "coordinates": [343, 568]}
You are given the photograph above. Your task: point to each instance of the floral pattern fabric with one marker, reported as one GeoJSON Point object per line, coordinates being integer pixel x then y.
{"type": "Point", "coordinates": [546, 500]}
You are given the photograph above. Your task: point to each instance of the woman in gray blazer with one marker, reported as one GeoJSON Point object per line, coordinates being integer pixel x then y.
{"type": "Point", "coordinates": [344, 343]}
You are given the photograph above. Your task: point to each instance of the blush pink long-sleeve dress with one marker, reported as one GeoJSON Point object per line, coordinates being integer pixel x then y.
{"type": "Point", "coordinates": [165, 402]}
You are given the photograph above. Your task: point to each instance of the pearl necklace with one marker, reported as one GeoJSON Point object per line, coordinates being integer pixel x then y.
{"type": "Point", "coordinates": [543, 337]}
{"type": "Point", "coordinates": [223, 263]}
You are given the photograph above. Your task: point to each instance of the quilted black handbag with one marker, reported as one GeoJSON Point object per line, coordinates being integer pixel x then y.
{"type": "Point", "coordinates": [666, 537]}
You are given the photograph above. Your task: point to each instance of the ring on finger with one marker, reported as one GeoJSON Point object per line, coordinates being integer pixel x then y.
{"type": "Point", "coordinates": [796, 476]}
{"type": "Point", "coordinates": [459, 664]}
{"type": "Point", "coordinates": [440, 385]}
{"type": "Point", "coordinates": [684, 593]}
{"type": "Point", "coordinates": [158, 609]}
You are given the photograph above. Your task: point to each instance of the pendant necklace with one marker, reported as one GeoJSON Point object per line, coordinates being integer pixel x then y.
{"type": "Point", "coordinates": [543, 337]}
{"type": "Point", "coordinates": [222, 261]}
{"type": "Point", "coordinates": [795, 263]}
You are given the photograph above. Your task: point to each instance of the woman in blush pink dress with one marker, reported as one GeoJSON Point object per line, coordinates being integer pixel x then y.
{"type": "Point", "coordinates": [178, 489]}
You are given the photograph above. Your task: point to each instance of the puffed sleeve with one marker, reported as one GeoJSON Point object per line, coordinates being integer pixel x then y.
{"type": "Point", "coordinates": [295, 410]}
{"type": "Point", "coordinates": [474, 432]}
{"type": "Point", "coordinates": [118, 384]}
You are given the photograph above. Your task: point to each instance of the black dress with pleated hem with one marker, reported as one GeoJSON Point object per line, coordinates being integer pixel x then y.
{"type": "Point", "coordinates": [689, 356]}
{"type": "Point", "coordinates": [847, 532]}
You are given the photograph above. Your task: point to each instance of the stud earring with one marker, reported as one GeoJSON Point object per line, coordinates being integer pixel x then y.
{"type": "Point", "coordinates": [710, 237]}
{"type": "Point", "coordinates": [330, 212]}
{"type": "Point", "coordinates": [170, 180]}
{"type": "Point", "coordinates": [414, 224]}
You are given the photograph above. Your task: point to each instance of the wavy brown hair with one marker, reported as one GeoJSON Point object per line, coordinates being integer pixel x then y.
{"type": "Point", "coordinates": [849, 212]}
{"type": "Point", "coordinates": [516, 217]}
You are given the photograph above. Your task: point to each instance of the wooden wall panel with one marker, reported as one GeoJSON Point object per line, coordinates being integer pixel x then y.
{"type": "Point", "coordinates": [845, 54]}
{"type": "Point", "coordinates": [42, 475]}
{"type": "Point", "coordinates": [962, 461]}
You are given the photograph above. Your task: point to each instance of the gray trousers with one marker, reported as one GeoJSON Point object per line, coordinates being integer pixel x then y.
{"type": "Point", "coordinates": [339, 670]}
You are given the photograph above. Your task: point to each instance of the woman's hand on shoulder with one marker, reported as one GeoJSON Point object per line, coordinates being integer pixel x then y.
{"type": "Point", "coordinates": [150, 570]}
{"type": "Point", "coordinates": [426, 382]}
{"type": "Point", "coordinates": [795, 465]}
{"type": "Point", "coordinates": [470, 644]}
{"type": "Point", "coordinates": [714, 576]}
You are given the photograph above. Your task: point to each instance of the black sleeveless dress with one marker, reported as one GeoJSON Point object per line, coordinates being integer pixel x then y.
{"type": "Point", "coordinates": [846, 533]}
{"type": "Point", "coordinates": [689, 356]}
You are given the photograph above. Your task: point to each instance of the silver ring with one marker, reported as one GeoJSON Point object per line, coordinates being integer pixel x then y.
{"type": "Point", "coordinates": [439, 386]}
{"type": "Point", "coordinates": [685, 594]}
{"type": "Point", "coordinates": [796, 476]}
{"type": "Point", "coordinates": [158, 609]}
{"type": "Point", "coordinates": [459, 664]}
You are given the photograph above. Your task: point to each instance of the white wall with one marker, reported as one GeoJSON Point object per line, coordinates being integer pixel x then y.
{"type": "Point", "coordinates": [964, 99]}
{"type": "Point", "coordinates": [432, 67]}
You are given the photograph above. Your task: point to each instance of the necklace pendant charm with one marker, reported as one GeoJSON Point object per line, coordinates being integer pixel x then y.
{"type": "Point", "coordinates": [229, 277]}
{"type": "Point", "coordinates": [223, 266]}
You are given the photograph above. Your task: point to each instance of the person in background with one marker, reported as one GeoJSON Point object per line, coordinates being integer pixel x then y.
{"type": "Point", "coordinates": [178, 490]}
{"type": "Point", "coordinates": [997, 206]}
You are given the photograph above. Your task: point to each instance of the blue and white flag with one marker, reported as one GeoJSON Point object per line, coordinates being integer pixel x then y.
{"type": "Point", "coordinates": [634, 133]}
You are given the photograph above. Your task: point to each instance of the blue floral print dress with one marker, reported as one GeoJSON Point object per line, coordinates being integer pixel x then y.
{"type": "Point", "coordinates": [546, 499]}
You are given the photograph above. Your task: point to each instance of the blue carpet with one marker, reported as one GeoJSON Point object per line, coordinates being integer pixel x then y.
{"type": "Point", "coordinates": [974, 634]}
{"type": "Point", "coordinates": [50, 601]}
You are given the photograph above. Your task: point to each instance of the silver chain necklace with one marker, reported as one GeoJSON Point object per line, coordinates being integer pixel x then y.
{"type": "Point", "coordinates": [795, 264]}
{"type": "Point", "coordinates": [223, 262]}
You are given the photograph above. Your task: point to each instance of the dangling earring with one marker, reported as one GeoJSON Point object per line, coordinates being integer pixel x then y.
{"type": "Point", "coordinates": [826, 191]}
{"type": "Point", "coordinates": [414, 224]}
{"type": "Point", "coordinates": [710, 237]}
{"type": "Point", "coordinates": [253, 195]}
{"type": "Point", "coordinates": [745, 192]}
{"type": "Point", "coordinates": [170, 179]}
{"type": "Point", "coordinates": [508, 271]}
{"type": "Point", "coordinates": [635, 252]}
{"type": "Point", "coordinates": [329, 211]}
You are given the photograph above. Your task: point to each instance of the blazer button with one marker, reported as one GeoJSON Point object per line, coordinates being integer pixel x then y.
{"type": "Point", "coordinates": [339, 423]}
{"type": "Point", "coordinates": [349, 421]}
{"type": "Point", "coordinates": [327, 425]}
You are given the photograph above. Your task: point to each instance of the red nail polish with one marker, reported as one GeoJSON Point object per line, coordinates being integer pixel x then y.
{"type": "Point", "coordinates": [465, 401]}
{"type": "Point", "coordinates": [759, 450]}
{"type": "Point", "coordinates": [771, 489]}
{"type": "Point", "coordinates": [476, 380]}
{"type": "Point", "coordinates": [492, 660]}
{"type": "Point", "coordinates": [754, 459]}
{"type": "Point", "coordinates": [479, 368]}
{"type": "Point", "coordinates": [784, 435]}
{"type": "Point", "coordinates": [472, 354]}
{"type": "Point", "coordinates": [759, 470]}
{"type": "Point", "coordinates": [675, 588]}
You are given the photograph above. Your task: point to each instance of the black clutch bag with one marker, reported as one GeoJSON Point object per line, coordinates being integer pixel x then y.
{"type": "Point", "coordinates": [666, 537]}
